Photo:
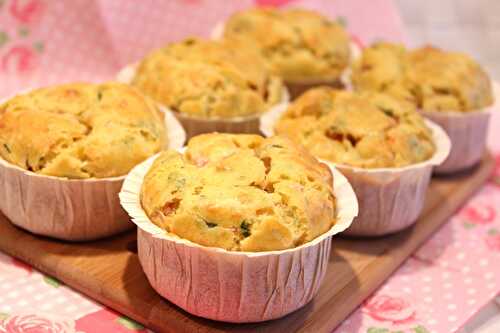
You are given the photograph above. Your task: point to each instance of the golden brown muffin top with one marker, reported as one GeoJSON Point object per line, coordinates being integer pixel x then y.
{"type": "Point", "coordinates": [210, 79]}
{"type": "Point", "coordinates": [367, 129]}
{"type": "Point", "coordinates": [300, 45]}
{"type": "Point", "coordinates": [80, 130]}
{"type": "Point", "coordinates": [430, 78]}
{"type": "Point", "coordinates": [240, 192]}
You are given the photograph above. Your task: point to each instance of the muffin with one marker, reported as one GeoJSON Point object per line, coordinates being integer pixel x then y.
{"type": "Point", "coordinates": [447, 87]}
{"type": "Point", "coordinates": [303, 47]}
{"type": "Point", "coordinates": [381, 144]}
{"type": "Point", "coordinates": [64, 151]}
{"type": "Point", "coordinates": [248, 215]}
{"type": "Point", "coordinates": [210, 85]}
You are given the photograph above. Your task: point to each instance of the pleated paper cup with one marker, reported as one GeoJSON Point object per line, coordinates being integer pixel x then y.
{"type": "Point", "coordinates": [468, 132]}
{"type": "Point", "coordinates": [198, 125]}
{"type": "Point", "coordinates": [69, 209]}
{"type": "Point", "coordinates": [390, 199]}
{"type": "Point", "coordinates": [232, 286]}
{"type": "Point", "coordinates": [297, 88]}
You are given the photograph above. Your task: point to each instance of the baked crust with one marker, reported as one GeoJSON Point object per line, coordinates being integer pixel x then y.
{"type": "Point", "coordinates": [300, 45]}
{"type": "Point", "coordinates": [367, 129]}
{"type": "Point", "coordinates": [80, 130]}
{"type": "Point", "coordinates": [240, 193]}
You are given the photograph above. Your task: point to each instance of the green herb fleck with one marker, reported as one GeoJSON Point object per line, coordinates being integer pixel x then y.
{"type": "Point", "coordinates": [245, 228]}
{"type": "Point", "coordinates": [99, 95]}
{"type": "Point", "coordinates": [51, 281]}
{"type": "Point", "coordinates": [130, 324]}
{"type": "Point", "coordinates": [276, 146]}
{"type": "Point", "coordinates": [388, 112]}
{"type": "Point", "coordinates": [7, 148]}
{"type": "Point", "coordinates": [180, 183]}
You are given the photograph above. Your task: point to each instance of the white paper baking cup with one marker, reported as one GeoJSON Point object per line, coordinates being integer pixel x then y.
{"type": "Point", "coordinates": [232, 286]}
{"type": "Point", "coordinates": [390, 199]}
{"type": "Point", "coordinates": [468, 132]}
{"type": "Point", "coordinates": [198, 125]}
{"type": "Point", "coordinates": [69, 209]}
{"type": "Point", "coordinates": [296, 89]}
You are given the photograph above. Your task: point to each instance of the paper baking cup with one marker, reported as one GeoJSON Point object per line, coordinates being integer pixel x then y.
{"type": "Point", "coordinates": [227, 285]}
{"type": "Point", "coordinates": [69, 209]}
{"type": "Point", "coordinates": [390, 199]}
{"type": "Point", "coordinates": [198, 125]}
{"type": "Point", "coordinates": [468, 132]}
{"type": "Point", "coordinates": [297, 88]}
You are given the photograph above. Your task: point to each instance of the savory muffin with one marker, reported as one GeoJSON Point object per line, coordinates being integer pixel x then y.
{"type": "Point", "coordinates": [300, 45]}
{"type": "Point", "coordinates": [80, 130]}
{"type": "Point", "coordinates": [430, 78]}
{"type": "Point", "coordinates": [209, 79]}
{"type": "Point", "coordinates": [240, 193]}
{"type": "Point", "coordinates": [366, 129]}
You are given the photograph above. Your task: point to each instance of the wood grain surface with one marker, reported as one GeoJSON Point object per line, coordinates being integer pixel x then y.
{"type": "Point", "coordinates": [109, 270]}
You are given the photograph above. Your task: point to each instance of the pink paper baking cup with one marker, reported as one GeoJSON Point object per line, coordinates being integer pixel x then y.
{"type": "Point", "coordinates": [390, 199]}
{"type": "Point", "coordinates": [232, 286]}
{"type": "Point", "coordinates": [468, 132]}
{"type": "Point", "coordinates": [198, 125]}
{"type": "Point", "coordinates": [69, 209]}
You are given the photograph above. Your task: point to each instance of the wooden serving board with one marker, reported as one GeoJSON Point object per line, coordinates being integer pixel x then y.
{"type": "Point", "coordinates": [109, 270]}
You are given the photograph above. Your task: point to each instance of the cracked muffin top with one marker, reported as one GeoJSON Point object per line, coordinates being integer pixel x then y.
{"type": "Point", "coordinates": [209, 79]}
{"type": "Point", "coordinates": [430, 78]}
{"type": "Point", "coordinates": [300, 45]}
{"type": "Point", "coordinates": [366, 129]}
{"type": "Point", "coordinates": [240, 192]}
{"type": "Point", "coordinates": [81, 130]}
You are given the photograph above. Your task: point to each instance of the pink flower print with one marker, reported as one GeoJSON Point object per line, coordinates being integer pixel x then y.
{"type": "Point", "coordinates": [274, 3]}
{"type": "Point", "coordinates": [393, 310]}
{"type": "Point", "coordinates": [107, 321]}
{"type": "Point", "coordinates": [36, 323]}
{"type": "Point", "coordinates": [478, 214]}
{"type": "Point", "coordinates": [493, 241]}
{"type": "Point", "coordinates": [20, 59]}
{"type": "Point", "coordinates": [26, 11]}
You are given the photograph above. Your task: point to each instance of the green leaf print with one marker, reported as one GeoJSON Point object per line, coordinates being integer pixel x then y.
{"type": "Point", "coordinates": [129, 323]}
{"type": "Point", "coordinates": [492, 232]}
{"type": "Point", "coordinates": [342, 21]}
{"type": "Point", "coordinates": [377, 330]}
{"type": "Point", "coordinates": [23, 32]}
{"type": "Point", "coordinates": [4, 38]}
{"type": "Point", "coordinates": [421, 329]}
{"type": "Point", "coordinates": [468, 225]}
{"type": "Point", "coordinates": [3, 316]}
{"type": "Point", "coordinates": [51, 281]}
{"type": "Point", "coordinates": [38, 46]}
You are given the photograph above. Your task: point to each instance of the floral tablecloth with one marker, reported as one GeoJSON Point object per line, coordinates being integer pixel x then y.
{"type": "Point", "coordinates": [437, 289]}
